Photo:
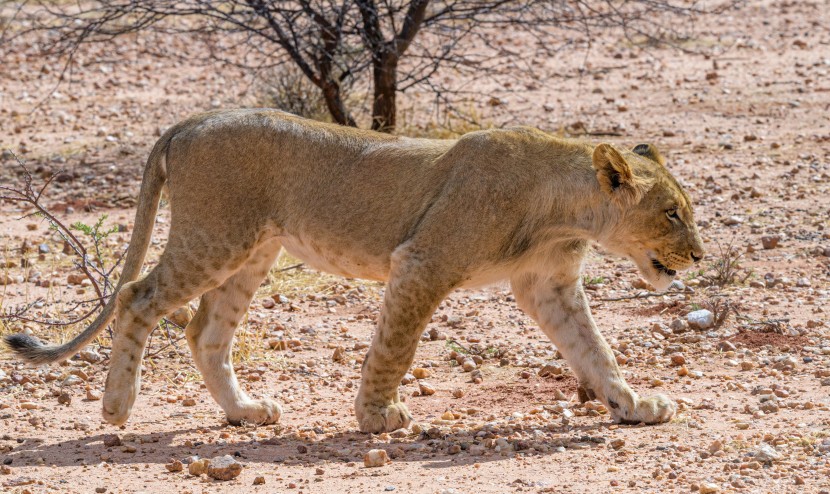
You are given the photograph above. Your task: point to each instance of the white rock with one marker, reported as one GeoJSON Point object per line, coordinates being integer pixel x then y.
{"type": "Point", "coordinates": [700, 319]}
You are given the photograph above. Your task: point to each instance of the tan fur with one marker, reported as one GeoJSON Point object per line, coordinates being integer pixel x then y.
{"type": "Point", "coordinates": [427, 216]}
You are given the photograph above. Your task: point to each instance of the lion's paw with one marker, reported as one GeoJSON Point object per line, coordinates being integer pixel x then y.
{"type": "Point", "coordinates": [655, 409]}
{"type": "Point", "coordinates": [382, 418]}
{"type": "Point", "coordinates": [259, 412]}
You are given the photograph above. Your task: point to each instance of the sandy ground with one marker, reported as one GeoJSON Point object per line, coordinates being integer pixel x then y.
{"type": "Point", "coordinates": [743, 125]}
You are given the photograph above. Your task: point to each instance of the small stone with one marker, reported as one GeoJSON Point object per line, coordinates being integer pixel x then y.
{"type": "Point", "coordinates": [90, 356]}
{"type": "Point", "coordinates": [112, 440]}
{"type": "Point", "coordinates": [339, 354]}
{"type": "Point", "coordinates": [448, 415]}
{"type": "Point", "coordinates": [747, 365]}
{"type": "Point", "coordinates": [617, 443]}
{"type": "Point", "coordinates": [425, 388]}
{"type": "Point", "coordinates": [708, 488]}
{"type": "Point", "coordinates": [726, 346]}
{"type": "Point", "coordinates": [259, 480]}
{"type": "Point", "coordinates": [224, 468]}
{"type": "Point", "coordinates": [786, 362]}
{"type": "Point", "coordinates": [770, 241]}
{"type": "Point", "coordinates": [65, 398]}
{"type": "Point", "coordinates": [93, 394]}
{"type": "Point", "coordinates": [767, 454]}
{"type": "Point", "coordinates": [375, 458]}
{"type": "Point", "coordinates": [716, 446]}
{"type": "Point", "coordinates": [75, 279]}
{"type": "Point", "coordinates": [733, 220]}
{"type": "Point", "coordinates": [29, 405]}
{"type": "Point", "coordinates": [549, 370]}
{"type": "Point", "coordinates": [457, 393]}
{"type": "Point", "coordinates": [189, 402]}
{"type": "Point", "coordinates": [198, 467]}
{"type": "Point", "coordinates": [679, 326]}
{"type": "Point", "coordinates": [469, 365]}
{"type": "Point", "coordinates": [678, 359]}
{"type": "Point", "coordinates": [71, 380]}
{"type": "Point", "coordinates": [421, 373]}
{"type": "Point", "coordinates": [174, 466]}
{"type": "Point", "coordinates": [268, 303]}
{"type": "Point", "coordinates": [700, 319]}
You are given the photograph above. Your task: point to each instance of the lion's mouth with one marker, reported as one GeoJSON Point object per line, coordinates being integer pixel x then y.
{"type": "Point", "coordinates": [662, 269]}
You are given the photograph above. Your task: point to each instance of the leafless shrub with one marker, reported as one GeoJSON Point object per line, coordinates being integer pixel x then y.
{"type": "Point", "coordinates": [86, 242]}
{"type": "Point", "coordinates": [726, 268]}
{"type": "Point", "coordinates": [721, 309]}
{"type": "Point", "coordinates": [393, 45]}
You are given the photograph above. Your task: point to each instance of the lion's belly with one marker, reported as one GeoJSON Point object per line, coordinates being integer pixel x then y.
{"type": "Point", "coordinates": [331, 260]}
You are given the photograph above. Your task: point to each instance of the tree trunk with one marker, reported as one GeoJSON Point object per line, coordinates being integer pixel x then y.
{"type": "Point", "coordinates": [386, 89]}
{"type": "Point", "coordinates": [334, 102]}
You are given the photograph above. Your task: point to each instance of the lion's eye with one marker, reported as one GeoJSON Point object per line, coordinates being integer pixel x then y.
{"type": "Point", "coordinates": [672, 213]}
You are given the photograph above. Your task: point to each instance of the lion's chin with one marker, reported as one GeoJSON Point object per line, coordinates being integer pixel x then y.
{"type": "Point", "coordinates": [658, 275]}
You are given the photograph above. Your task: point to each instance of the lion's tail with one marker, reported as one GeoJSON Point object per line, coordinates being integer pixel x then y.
{"type": "Point", "coordinates": [155, 175]}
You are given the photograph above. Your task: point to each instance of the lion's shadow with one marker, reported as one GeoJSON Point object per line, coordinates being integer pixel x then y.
{"type": "Point", "coordinates": [159, 448]}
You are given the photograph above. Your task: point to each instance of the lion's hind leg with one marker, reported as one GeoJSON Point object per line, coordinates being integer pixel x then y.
{"type": "Point", "coordinates": [190, 266]}
{"type": "Point", "coordinates": [210, 336]}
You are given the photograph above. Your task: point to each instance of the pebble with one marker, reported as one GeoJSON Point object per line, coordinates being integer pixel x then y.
{"type": "Point", "coordinates": [339, 354]}
{"type": "Point", "coordinates": [679, 326]}
{"type": "Point", "coordinates": [425, 388]}
{"type": "Point", "coordinates": [189, 402]}
{"type": "Point", "coordinates": [224, 468]}
{"type": "Point", "coordinates": [259, 480]}
{"type": "Point", "coordinates": [678, 359]}
{"type": "Point", "coordinates": [93, 394]}
{"type": "Point", "coordinates": [174, 466]}
{"type": "Point", "coordinates": [700, 319]}
{"type": "Point", "coordinates": [111, 440]}
{"type": "Point", "coordinates": [90, 356]}
{"type": "Point", "coordinates": [469, 365]}
{"type": "Point", "coordinates": [726, 346]}
{"type": "Point", "coordinates": [65, 398]}
{"type": "Point", "coordinates": [421, 373]}
{"type": "Point", "coordinates": [375, 458]}
{"type": "Point", "coordinates": [770, 241]}
{"type": "Point", "coordinates": [71, 380]}
{"type": "Point", "coordinates": [767, 454]}
{"type": "Point", "coordinates": [550, 370]}
{"type": "Point", "coordinates": [198, 467]}
{"type": "Point", "coordinates": [708, 488]}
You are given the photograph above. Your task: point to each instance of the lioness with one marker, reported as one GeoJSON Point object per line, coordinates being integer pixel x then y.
{"type": "Point", "coordinates": [426, 216]}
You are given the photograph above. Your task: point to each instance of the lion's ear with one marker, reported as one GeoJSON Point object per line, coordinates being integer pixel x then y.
{"type": "Point", "coordinates": [650, 152]}
{"type": "Point", "coordinates": [616, 177]}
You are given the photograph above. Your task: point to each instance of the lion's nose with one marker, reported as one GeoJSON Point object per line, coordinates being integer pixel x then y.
{"type": "Point", "coordinates": [696, 258]}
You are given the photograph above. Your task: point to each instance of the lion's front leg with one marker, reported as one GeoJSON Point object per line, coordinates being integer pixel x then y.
{"type": "Point", "coordinates": [414, 291]}
{"type": "Point", "coordinates": [560, 308]}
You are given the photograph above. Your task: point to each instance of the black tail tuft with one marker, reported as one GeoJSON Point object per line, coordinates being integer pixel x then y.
{"type": "Point", "coordinates": [29, 348]}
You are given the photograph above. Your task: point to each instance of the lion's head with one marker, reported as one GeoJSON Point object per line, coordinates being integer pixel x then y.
{"type": "Point", "coordinates": [656, 228]}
